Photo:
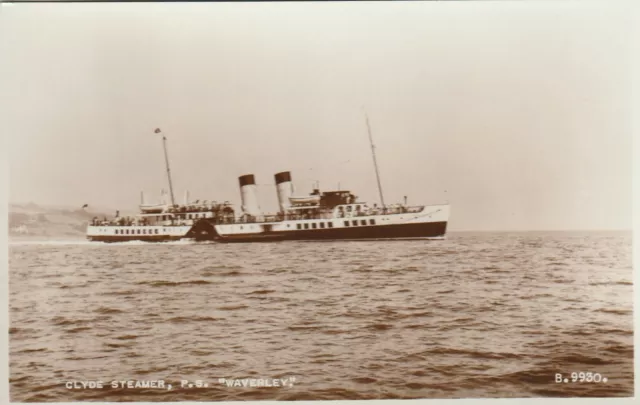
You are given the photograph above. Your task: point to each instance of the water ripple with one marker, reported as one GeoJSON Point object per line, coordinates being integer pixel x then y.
{"type": "Point", "coordinates": [476, 315]}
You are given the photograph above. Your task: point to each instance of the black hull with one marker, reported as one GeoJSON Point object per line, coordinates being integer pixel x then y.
{"type": "Point", "coordinates": [140, 238]}
{"type": "Point", "coordinates": [381, 232]}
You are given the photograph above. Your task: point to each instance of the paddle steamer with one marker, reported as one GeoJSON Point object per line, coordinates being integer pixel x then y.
{"type": "Point", "coordinates": [329, 215]}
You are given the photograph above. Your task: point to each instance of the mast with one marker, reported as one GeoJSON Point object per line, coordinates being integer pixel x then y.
{"type": "Point", "coordinates": [166, 160]}
{"type": "Point", "coordinates": [375, 162]}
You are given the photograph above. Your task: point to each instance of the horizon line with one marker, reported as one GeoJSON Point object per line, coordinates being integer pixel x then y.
{"type": "Point", "coordinates": [630, 229]}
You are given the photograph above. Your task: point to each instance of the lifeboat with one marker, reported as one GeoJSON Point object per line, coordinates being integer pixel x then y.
{"type": "Point", "coordinates": [309, 199]}
{"type": "Point", "coordinates": [152, 208]}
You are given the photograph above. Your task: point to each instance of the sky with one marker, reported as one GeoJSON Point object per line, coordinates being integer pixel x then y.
{"type": "Point", "coordinates": [518, 114]}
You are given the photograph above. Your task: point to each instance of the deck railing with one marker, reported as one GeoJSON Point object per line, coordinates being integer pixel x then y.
{"type": "Point", "coordinates": [323, 215]}
{"type": "Point", "coordinates": [246, 219]}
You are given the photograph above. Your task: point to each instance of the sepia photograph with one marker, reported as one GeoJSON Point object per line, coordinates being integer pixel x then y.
{"type": "Point", "coordinates": [279, 201]}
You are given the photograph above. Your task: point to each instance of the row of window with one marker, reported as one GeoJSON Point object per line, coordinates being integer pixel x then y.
{"type": "Point", "coordinates": [363, 222]}
{"type": "Point", "coordinates": [136, 232]}
{"type": "Point", "coordinates": [322, 225]}
{"type": "Point", "coordinates": [182, 216]}
{"type": "Point", "coordinates": [349, 208]}
{"type": "Point", "coordinates": [195, 216]}
{"type": "Point", "coordinates": [315, 225]}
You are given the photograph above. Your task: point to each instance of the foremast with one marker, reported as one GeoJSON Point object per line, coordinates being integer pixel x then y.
{"type": "Point", "coordinates": [375, 162]}
{"type": "Point", "coordinates": [166, 160]}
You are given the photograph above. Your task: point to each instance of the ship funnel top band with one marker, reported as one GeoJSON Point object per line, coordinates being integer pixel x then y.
{"type": "Point", "coordinates": [247, 180]}
{"type": "Point", "coordinates": [282, 177]}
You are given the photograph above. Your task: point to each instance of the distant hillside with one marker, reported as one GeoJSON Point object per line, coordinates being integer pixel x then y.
{"type": "Point", "coordinates": [27, 221]}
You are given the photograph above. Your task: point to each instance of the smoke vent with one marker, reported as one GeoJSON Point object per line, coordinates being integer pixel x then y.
{"type": "Point", "coordinates": [249, 195]}
{"type": "Point", "coordinates": [285, 189]}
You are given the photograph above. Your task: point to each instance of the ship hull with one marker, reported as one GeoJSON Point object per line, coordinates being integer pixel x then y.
{"type": "Point", "coordinates": [429, 223]}
{"type": "Point", "coordinates": [115, 239]}
{"type": "Point", "coordinates": [429, 230]}
{"type": "Point", "coordinates": [113, 234]}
